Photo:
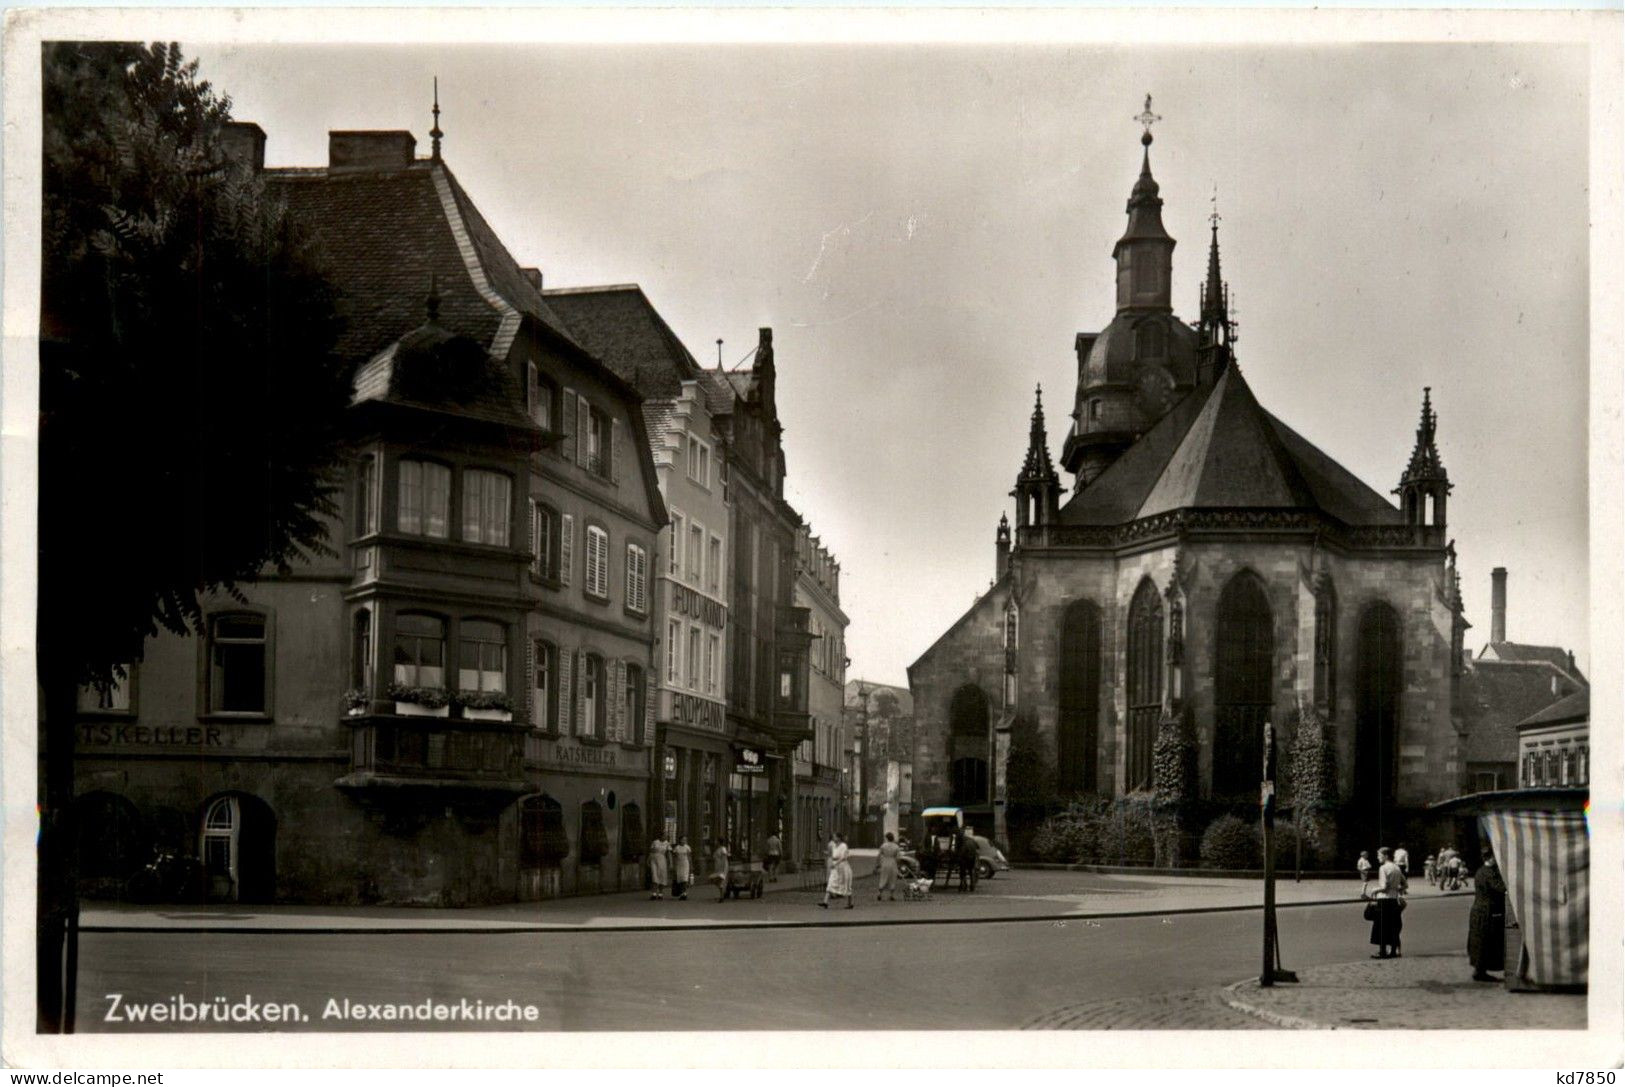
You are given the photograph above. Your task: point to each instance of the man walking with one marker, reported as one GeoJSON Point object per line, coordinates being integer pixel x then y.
{"type": "Point", "coordinates": [770, 861]}
{"type": "Point", "coordinates": [719, 864]}
{"type": "Point", "coordinates": [1403, 859]}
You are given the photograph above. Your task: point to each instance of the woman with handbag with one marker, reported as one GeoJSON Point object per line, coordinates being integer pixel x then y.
{"type": "Point", "coordinates": [1387, 901]}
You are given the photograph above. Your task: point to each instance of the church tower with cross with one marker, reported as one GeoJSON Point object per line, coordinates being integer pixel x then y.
{"type": "Point", "coordinates": [1209, 580]}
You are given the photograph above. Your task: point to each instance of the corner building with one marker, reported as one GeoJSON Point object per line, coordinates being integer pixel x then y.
{"type": "Point", "coordinates": [1210, 573]}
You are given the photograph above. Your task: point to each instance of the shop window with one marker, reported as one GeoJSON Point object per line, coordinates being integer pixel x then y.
{"type": "Point", "coordinates": [483, 656]}
{"type": "Point", "coordinates": [594, 839]}
{"type": "Point", "coordinates": [239, 664]}
{"type": "Point", "coordinates": [487, 498]}
{"type": "Point", "coordinates": [420, 650]}
{"type": "Point", "coordinates": [547, 686]}
{"type": "Point", "coordinates": [543, 841]}
{"type": "Point", "coordinates": [425, 498]}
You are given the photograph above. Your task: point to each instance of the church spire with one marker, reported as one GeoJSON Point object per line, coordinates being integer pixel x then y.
{"type": "Point", "coordinates": [1215, 328]}
{"type": "Point", "coordinates": [1425, 483]}
{"type": "Point", "coordinates": [1038, 488]}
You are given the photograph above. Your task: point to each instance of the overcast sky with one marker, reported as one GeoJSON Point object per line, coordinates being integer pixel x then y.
{"type": "Point", "coordinates": [926, 228]}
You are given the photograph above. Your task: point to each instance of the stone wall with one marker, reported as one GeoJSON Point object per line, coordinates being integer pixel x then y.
{"type": "Point", "coordinates": [972, 651]}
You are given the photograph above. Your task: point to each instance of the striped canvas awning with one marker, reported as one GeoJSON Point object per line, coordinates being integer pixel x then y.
{"type": "Point", "coordinates": [1545, 857]}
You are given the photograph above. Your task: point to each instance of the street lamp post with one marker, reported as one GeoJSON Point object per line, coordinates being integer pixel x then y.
{"type": "Point", "coordinates": [1271, 971]}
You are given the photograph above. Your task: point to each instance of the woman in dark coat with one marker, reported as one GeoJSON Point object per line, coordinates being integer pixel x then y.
{"type": "Point", "coordinates": [1486, 925]}
{"type": "Point", "coordinates": [1388, 892]}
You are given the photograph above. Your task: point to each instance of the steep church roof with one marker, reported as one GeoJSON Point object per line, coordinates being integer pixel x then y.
{"type": "Point", "coordinates": [1219, 449]}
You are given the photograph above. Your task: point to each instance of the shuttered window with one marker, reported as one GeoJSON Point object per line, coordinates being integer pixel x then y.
{"type": "Point", "coordinates": [596, 582]}
{"type": "Point", "coordinates": [567, 547]}
{"type": "Point", "coordinates": [637, 578]}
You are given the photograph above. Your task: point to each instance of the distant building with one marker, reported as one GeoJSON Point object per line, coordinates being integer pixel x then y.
{"type": "Point", "coordinates": [1554, 745]}
{"type": "Point", "coordinates": [818, 760]}
{"type": "Point", "coordinates": [880, 718]}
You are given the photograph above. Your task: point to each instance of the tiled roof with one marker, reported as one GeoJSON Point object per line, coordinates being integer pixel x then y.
{"type": "Point", "coordinates": [1576, 707]}
{"type": "Point", "coordinates": [659, 420]}
{"type": "Point", "coordinates": [1496, 695]}
{"type": "Point", "coordinates": [1218, 449]}
{"type": "Point", "coordinates": [622, 328]}
{"type": "Point", "coordinates": [719, 394]}
{"type": "Point", "coordinates": [386, 233]}
{"type": "Point", "coordinates": [1518, 651]}
{"type": "Point", "coordinates": [432, 369]}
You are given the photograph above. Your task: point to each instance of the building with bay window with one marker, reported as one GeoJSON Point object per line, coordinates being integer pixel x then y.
{"type": "Point", "coordinates": [453, 708]}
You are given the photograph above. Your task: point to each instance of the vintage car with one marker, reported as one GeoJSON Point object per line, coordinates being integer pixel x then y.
{"type": "Point", "coordinates": [989, 858]}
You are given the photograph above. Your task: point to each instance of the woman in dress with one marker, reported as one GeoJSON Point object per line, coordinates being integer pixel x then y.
{"type": "Point", "coordinates": [682, 855]}
{"type": "Point", "coordinates": [840, 874]}
{"type": "Point", "coordinates": [1486, 925]}
{"type": "Point", "coordinates": [886, 867]}
{"type": "Point", "coordinates": [657, 868]}
{"type": "Point", "coordinates": [1390, 889]}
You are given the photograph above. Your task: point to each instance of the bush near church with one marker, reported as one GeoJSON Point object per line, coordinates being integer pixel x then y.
{"type": "Point", "coordinates": [1230, 842]}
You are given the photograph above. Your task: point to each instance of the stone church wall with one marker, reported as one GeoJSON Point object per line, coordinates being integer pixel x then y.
{"type": "Point", "coordinates": [971, 652]}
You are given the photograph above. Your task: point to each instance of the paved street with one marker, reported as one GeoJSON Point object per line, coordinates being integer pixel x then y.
{"type": "Point", "coordinates": [998, 974]}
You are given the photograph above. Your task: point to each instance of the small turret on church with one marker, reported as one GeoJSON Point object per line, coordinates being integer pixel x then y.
{"type": "Point", "coordinates": [1038, 488]}
{"type": "Point", "coordinates": [1425, 485]}
{"type": "Point", "coordinates": [1001, 548]}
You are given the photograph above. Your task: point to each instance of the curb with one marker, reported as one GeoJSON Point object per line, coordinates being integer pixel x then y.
{"type": "Point", "coordinates": [1175, 873]}
{"type": "Point", "coordinates": [1285, 1022]}
{"type": "Point", "coordinates": [702, 926]}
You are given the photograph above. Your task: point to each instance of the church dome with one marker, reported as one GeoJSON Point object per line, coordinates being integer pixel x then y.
{"type": "Point", "coordinates": [1133, 341]}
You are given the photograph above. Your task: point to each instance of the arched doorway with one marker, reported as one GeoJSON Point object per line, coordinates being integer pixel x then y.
{"type": "Point", "coordinates": [968, 744]}
{"type": "Point", "coordinates": [238, 849]}
{"type": "Point", "coordinates": [1077, 731]}
{"type": "Point", "coordinates": [1243, 695]}
{"type": "Point", "coordinates": [1379, 675]}
{"type": "Point", "coordinates": [1144, 682]}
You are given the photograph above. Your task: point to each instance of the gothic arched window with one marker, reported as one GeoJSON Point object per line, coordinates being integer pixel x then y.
{"type": "Point", "coordinates": [1245, 653]}
{"type": "Point", "coordinates": [968, 745]}
{"type": "Point", "coordinates": [1144, 681]}
{"type": "Point", "coordinates": [1077, 729]}
{"type": "Point", "coordinates": [1326, 648]}
{"type": "Point", "coordinates": [1380, 674]}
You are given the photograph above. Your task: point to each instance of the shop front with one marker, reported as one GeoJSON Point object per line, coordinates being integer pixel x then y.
{"type": "Point", "coordinates": [584, 831]}
{"type": "Point", "coordinates": [692, 759]}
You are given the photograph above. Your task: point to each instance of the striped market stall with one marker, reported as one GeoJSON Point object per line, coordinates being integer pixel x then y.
{"type": "Point", "coordinates": [1541, 839]}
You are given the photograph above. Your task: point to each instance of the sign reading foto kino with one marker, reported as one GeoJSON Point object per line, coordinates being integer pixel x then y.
{"type": "Point", "coordinates": [685, 601]}
{"type": "Point", "coordinates": [748, 760]}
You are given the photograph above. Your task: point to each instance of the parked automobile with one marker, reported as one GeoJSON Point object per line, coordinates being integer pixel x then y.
{"type": "Point", "coordinates": [989, 859]}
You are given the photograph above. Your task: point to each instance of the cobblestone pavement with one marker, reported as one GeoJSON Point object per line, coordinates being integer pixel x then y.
{"type": "Point", "coordinates": [1201, 1010]}
{"type": "Point", "coordinates": [1427, 992]}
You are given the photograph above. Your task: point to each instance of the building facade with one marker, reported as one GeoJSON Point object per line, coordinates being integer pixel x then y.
{"type": "Point", "coordinates": [881, 719]}
{"type": "Point", "coordinates": [693, 742]}
{"type": "Point", "coordinates": [453, 709]}
{"type": "Point", "coordinates": [1212, 574]}
{"type": "Point", "coordinates": [817, 761]}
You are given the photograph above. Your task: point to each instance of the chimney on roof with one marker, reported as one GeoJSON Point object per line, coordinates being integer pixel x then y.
{"type": "Point", "coordinates": [370, 150]}
{"type": "Point", "coordinates": [243, 142]}
{"type": "Point", "coordinates": [535, 277]}
{"type": "Point", "coordinates": [1498, 604]}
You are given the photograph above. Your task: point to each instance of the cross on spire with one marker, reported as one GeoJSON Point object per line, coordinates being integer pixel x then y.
{"type": "Point", "coordinates": [1215, 217]}
{"type": "Point", "coordinates": [1147, 118]}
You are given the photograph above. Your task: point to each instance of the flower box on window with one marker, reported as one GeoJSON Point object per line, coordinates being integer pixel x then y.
{"type": "Point", "coordinates": [355, 702]}
{"type": "Point", "coordinates": [485, 705]}
{"type": "Point", "coordinates": [420, 701]}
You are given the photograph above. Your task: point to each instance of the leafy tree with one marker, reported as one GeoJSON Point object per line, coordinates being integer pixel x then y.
{"type": "Point", "coordinates": [191, 404]}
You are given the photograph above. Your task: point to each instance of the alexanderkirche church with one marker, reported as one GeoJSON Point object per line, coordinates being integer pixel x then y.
{"type": "Point", "coordinates": [1208, 571]}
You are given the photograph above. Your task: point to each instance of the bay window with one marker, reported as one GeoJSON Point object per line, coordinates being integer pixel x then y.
{"type": "Point", "coordinates": [425, 498]}
{"type": "Point", "coordinates": [482, 657]}
{"type": "Point", "coordinates": [420, 650]}
{"type": "Point", "coordinates": [487, 498]}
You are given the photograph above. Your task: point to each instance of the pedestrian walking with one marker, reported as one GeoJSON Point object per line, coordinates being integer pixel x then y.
{"type": "Point", "coordinates": [719, 869]}
{"type": "Point", "coordinates": [1486, 924]}
{"type": "Point", "coordinates": [839, 884]}
{"type": "Point", "coordinates": [1403, 859]}
{"type": "Point", "coordinates": [886, 867]}
{"type": "Point", "coordinates": [1388, 901]}
{"type": "Point", "coordinates": [682, 860]}
{"type": "Point", "coordinates": [1363, 866]}
{"type": "Point", "coordinates": [1429, 869]}
{"type": "Point", "coordinates": [658, 869]}
{"type": "Point", "coordinates": [770, 859]}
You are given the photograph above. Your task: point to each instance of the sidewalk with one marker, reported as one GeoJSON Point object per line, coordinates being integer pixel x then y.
{"type": "Point", "coordinates": [1427, 992]}
{"type": "Point", "coordinates": [791, 902]}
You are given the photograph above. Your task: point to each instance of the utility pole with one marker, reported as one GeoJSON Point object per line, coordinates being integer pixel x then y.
{"type": "Point", "coordinates": [1271, 971]}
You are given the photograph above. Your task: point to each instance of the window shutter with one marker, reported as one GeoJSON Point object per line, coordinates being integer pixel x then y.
{"type": "Point", "coordinates": [567, 541]}
{"type": "Point", "coordinates": [583, 426]}
{"type": "Point", "coordinates": [617, 688]}
{"type": "Point", "coordinates": [567, 422]}
{"type": "Point", "coordinates": [648, 715]}
{"type": "Point", "coordinates": [578, 705]}
{"type": "Point", "coordinates": [566, 692]}
{"type": "Point", "coordinates": [535, 536]}
{"type": "Point", "coordinates": [530, 682]}
{"type": "Point", "coordinates": [614, 450]}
